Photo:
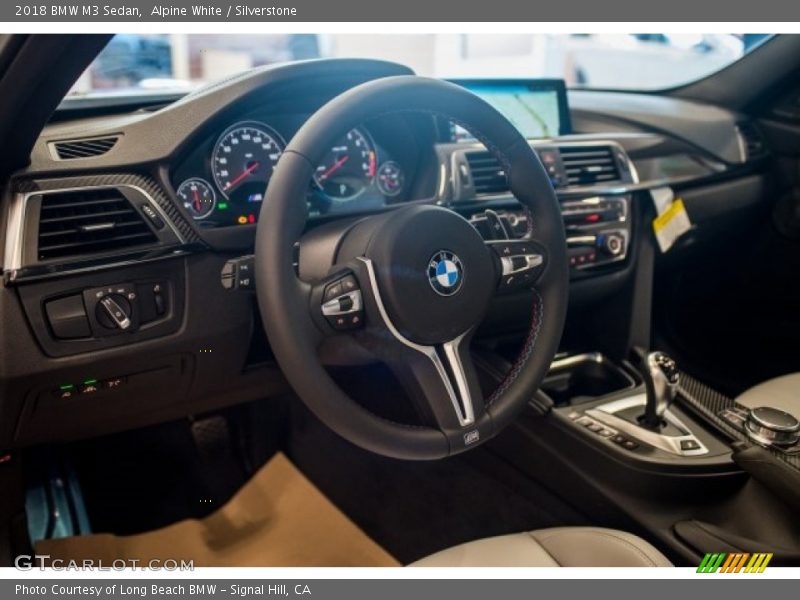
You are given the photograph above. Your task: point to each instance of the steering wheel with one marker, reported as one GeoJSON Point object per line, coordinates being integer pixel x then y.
{"type": "Point", "coordinates": [410, 285]}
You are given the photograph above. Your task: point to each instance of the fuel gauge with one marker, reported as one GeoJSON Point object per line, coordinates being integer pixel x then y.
{"type": "Point", "coordinates": [390, 178]}
{"type": "Point", "coordinates": [197, 197]}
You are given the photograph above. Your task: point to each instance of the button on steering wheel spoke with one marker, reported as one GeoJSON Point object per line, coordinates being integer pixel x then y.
{"type": "Point", "coordinates": [339, 303]}
{"type": "Point", "coordinates": [520, 263]}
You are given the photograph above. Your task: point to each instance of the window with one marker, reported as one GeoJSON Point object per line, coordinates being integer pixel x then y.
{"type": "Point", "coordinates": [141, 64]}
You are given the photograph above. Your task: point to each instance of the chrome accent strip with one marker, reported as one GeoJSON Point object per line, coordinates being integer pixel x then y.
{"type": "Point", "coordinates": [45, 271]}
{"type": "Point", "coordinates": [15, 244]}
{"type": "Point", "coordinates": [442, 182]}
{"type": "Point", "coordinates": [740, 141]}
{"type": "Point", "coordinates": [332, 308]}
{"type": "Point", "coordinates": [576, 359]}
{"type": "Point", "coordinates": [531, 261]}
{"type": "Point", "coordinates": [451, 352]}
{"type": "Point", "coordinates": [671, 444]}
{"type": "Point", "coordinates": [464, 407]}
{"type": "Point", "coordinates": [15, 231]}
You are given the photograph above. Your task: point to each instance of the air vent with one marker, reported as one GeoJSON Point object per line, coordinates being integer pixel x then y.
{"type": "Point", "coordinates": [754, 144]}
{"type": "Point", "coordinates": [85, 222]}
{"type": "Point", "coordinates": [84, 148]}
{"type": "Point", "coordinates": [589, 165]}
{"type": "Point", "coordinates": [488, 176]}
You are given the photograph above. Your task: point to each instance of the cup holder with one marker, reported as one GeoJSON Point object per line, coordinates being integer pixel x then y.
{"type": "Point", "coordinates": [584, 377]}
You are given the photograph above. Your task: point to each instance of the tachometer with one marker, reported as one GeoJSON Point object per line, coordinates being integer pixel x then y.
{"type": "Point", "coordinates": [198, 197]}
{"type": "Point", "coordinates": [243, 160]}
{"type": "Point", "coordinates": [348, 168]}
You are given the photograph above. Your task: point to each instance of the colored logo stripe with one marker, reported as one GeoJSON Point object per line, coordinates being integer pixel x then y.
{"type": "Point", "coordinates": [758, 563]}
{"type": "Point", "coordinates": [723, 562]}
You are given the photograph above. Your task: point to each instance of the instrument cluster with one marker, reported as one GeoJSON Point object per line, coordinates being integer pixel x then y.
{"type": "Point", "coordinates": [224, 181]}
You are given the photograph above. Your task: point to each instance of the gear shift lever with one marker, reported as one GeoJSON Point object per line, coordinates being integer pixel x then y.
{"type": "Point", "coordinates": [660, 374]}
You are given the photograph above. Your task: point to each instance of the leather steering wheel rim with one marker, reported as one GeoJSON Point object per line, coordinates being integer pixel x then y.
{"type": "Point", "coordinates": [285, 301]}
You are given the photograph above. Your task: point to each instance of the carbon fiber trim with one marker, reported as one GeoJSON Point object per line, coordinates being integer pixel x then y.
{"type": "Point", "coordinates": [148, 184]}
{"type": "Point", "coordinates": [707, 403]}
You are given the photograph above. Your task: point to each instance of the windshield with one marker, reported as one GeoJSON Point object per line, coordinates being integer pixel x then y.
{"type": "Point", "coordinates": [142, 64]}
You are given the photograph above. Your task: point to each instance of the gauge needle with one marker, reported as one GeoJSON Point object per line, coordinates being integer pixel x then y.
{"type": "Point", "coordinates": [196, 200]}
{"type": "Point", "coordinates": [334, 167]}
{"type": "Point", "coordinates": [242, 175]}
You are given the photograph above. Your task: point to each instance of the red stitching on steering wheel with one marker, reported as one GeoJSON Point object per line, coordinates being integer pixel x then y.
{"type": "Point", "coordinates": [527, 350]}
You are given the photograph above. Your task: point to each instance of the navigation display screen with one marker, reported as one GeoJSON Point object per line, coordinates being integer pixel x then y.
{"type": "Point", "coordinates": [537, 108]}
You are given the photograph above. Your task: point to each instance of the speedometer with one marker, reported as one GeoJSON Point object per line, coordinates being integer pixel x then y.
{"type": "Point", "coordinates": [243, 160]}
{"type": "Point", "coordinates": [348, 168]}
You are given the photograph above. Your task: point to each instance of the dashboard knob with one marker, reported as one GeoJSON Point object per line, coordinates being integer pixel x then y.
{"type": "Point", "coordinates": [614, 244]}
{"type": "Point", "coordinates": [114, 312]}
{"type": "Point", "coordinates": [769, 426]}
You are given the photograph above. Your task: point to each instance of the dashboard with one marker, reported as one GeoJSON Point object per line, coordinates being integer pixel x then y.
{"type": "Point", "coordinates": [146, 210]}
{"type": "Point", "coordinates": [221, 181]}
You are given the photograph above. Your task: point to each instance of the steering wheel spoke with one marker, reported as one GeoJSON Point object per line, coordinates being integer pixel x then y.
{"type": "Point", "coordinates": [440, 379]}
{"type": "Point", "coordinates": [520, 263]}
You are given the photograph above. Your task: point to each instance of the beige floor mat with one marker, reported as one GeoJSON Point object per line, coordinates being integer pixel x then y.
{"type": "Point", "coordinates": [277, 519]}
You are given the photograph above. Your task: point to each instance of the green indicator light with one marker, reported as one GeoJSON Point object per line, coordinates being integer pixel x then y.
{"type": "Point", "coordinates": [90, 381]}
{"type": "Point", "coordinates": [222, 205]}
{"type": "Point", "coordinates": [66, 386]}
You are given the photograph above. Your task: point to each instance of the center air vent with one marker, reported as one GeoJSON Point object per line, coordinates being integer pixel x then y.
{"type": "Point", "coordinates": [92, 221]}
{"type": "Point", "coordinates": [754, 143]}
{"type": "Point", "coordinates": [589, 165]}
{"type": "Point", "coordinates": [84, 148]}
{"type": "Point", "coordinates": [488, 176]}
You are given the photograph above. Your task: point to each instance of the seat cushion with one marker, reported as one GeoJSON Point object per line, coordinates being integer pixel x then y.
{"type": "Point", "coordinates": [782, 393]}
{"type": "Point", "coordinates": [556, 547]}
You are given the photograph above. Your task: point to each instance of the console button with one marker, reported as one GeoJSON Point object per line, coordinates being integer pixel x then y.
{"type": "Point", "coordinates": [114, 312]}
{"type": "Point", "coordinates": [349, 284]}
{"type": "Point", "coordinates": [614, 244]}
{"type": "Point", "coordinates": [689, 445]}
{"type": "Point", "coordinates": [65, 391]}
{"type": "Point", "coordinates": [238, 273]}
{"type": "Point", "coordinates": [88, 387]}
{"type": "Point", "coordinates": [342, 304]}
{"type": "Point", "coordinates": [154, 217]}
{"type": "Point", "coordinates": [113, 383]}
{"type": "Point", "coordinates": [334, 290]}
{"type": "Point", "coordinates": [68, 318]}
{"type": "Point", "coordinates": [346, 322]}
{"type": "Point", "coordinates": [226, 277]}
{"type": "Point", "coordinates": [158, 299]}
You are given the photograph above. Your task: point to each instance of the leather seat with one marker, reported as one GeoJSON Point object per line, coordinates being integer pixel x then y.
{"type": "Point", "coordinates": [782, 393]}
{"type": "Point", "coordinates": [556, 547]}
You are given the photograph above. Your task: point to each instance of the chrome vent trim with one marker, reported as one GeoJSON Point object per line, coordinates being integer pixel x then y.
{"type": "Point", "coordinates": [753, 141]}
{"type": "Point", "coordinates": [488, 177]}
{"type": "Point", "coordinates": [586, 165]}
{"type": "Point", "coordinates": [88, 222]}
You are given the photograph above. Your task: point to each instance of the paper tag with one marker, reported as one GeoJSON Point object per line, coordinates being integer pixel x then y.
{"type": "Point", "coordinates": [662, 198]}
{"type": "Point", "coordinates": [671, 225]}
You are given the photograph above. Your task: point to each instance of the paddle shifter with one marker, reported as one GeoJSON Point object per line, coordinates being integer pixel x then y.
{"type": "Point", "coordinates": [660, 374]}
